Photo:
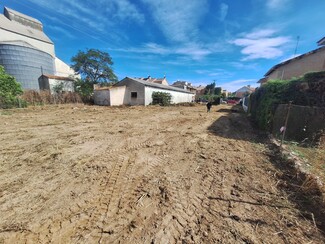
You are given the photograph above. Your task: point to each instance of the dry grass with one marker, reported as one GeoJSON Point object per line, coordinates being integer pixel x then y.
{"type": "Point", "coordinates": [313, 158]}
{"type": "Point", "coordinates": [45, 97]}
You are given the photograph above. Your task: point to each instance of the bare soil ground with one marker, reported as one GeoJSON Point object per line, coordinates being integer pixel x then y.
{"type": "Point", "coordinates": [86, 174]}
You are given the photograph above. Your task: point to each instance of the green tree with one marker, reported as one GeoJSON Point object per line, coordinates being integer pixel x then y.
{"type": "Point", "coordinates": [209, 89]}
{"type": "Point", "coordinates": [9, 89]}
{"type": "Point", "coordinates": [217, 91]}
{"type": "Point", "coordinates": [85, 89]}
{"type": "Point", "coordinates": [94, 66]}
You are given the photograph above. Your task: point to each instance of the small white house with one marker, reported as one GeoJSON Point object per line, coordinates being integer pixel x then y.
{"type": "Point", "coordinates": [50, 82]}
{"type": "Point", "coordinates": [134, 91]}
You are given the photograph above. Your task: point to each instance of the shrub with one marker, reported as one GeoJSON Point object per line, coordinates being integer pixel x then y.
{"type": "Point", "coordinates": [215, 99]}
{"type": "Point", "coordinates": [85, 89]}
{"type": "Point", "coordinates": [10, 89]}
{"type": "Point", "coordinates": [267, 97]}
{"type": "Point", "coordinates": [45, 97]}
{"type": "Point", "coordinates": [308, 90]}
{"type": "Point", "coordinates": [161, 98]}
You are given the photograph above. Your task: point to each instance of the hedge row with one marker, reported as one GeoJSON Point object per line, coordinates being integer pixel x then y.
{"type": "Point", "coordinates": [308, 90]}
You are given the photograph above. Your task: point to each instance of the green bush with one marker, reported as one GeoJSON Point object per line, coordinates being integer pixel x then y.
{"type": "Point", "coordinates": [215, 99]}
{"type": "Point", "coordinates": [10, 89]}
{"type": "Point", "coordinates": [267, 97]}
{"type": "Point", "coordinates": [305, 91]}
{"type": "Point", "coordinates": [161, 98]}
{"type": "Point", "coordinates": [85, 89]}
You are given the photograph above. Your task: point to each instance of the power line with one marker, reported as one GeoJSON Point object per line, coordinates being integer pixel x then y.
{"type": "Point", "coordinates": [70, 26]}
{"type": "Point", "coordinates": [294, 55]}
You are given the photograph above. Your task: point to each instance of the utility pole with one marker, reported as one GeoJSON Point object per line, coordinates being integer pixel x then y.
{"type": "Point", "coordinates": [294, 55]}
{"type": "Point", "coordinates": [286, 122]}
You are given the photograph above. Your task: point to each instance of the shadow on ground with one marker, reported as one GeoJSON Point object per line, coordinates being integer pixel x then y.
{"type": "Point", "coordinates": [301, 187]}
{"type": "Point", "coordinates": [234, 124]}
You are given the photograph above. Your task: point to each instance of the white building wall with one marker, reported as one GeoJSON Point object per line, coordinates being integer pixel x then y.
{"type": "Point", "coordinates": [64, 70]}
{"type": "Point", "coordinates": [133, 86]}
{"type": "Point", "coordinates": [114, 96]}
{"type": "Point", "coordinates": [7, 36]}
{"type": "Point", "coordinates": [117, 95]}
{"type": "Point", "coordinates": [310, 63]}
{"type": "Point", "coordinates": [177, 97]}
{"type": "Point", "coordinates": [68, 86]}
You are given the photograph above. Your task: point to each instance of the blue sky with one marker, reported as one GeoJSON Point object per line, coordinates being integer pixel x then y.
{"type": "Point", "coordinates": [232, 42]}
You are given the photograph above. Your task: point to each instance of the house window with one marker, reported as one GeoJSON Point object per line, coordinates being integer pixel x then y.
{"type": "Point", "coordinates": [134, 94]}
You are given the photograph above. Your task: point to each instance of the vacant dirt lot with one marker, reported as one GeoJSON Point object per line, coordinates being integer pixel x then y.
{"type": "Point", "coordinates": [82, 174]}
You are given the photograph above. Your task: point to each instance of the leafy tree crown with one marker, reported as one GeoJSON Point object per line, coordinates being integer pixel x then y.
{"type": "Point", "coordinates": [94, 65]}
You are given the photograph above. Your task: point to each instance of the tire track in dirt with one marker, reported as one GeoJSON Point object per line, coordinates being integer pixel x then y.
{"type": "Point", "coordinates": [87, 214]}
{"type": "Point", "coordinates": [122, 181]}
{"type": "Point", "coordinates": [171, 175]}
{"type": "Point", "coordinates": [138, 192]}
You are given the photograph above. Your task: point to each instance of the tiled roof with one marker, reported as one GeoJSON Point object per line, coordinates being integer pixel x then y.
{"type": "Point", "coordinates": [199, 88]}
{"type": "Point", "coordinates": [154, 80]}
{"type": "Point", "coordinates": [58, 77]}
{"type": "Point", "coordinates": [290, 60]}
{"type": "Point", "coordinates": [321, 42]}
{"type": "Point", "coordinates": [151, 84]}
{"type": "Point", "coordinates": [246, 89]}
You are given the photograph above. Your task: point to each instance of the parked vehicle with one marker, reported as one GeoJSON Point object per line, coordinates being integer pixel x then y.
{"type": "Point", "coordinates": [232, 102]}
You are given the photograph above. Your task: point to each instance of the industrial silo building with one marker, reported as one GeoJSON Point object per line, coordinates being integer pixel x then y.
{"type": "Point", "coordinates": [26, 51]}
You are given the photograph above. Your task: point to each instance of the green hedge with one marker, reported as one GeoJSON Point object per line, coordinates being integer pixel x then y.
{"type": "Point", "coordinates": [161, 98]}
{"type": "Point", "coordinates": [308, 90]}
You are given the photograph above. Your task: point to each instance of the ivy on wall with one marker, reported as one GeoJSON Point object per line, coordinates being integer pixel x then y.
{"type": "Point", "coordinates": [308, 90]}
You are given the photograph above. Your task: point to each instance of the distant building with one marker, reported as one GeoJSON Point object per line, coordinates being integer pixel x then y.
{"type": "Point", "coordinates": [62, 69]}
{"type": "Point", "coordinates": [26, 52]}
{"type": "Point", "coordinates": [51, 82]}
{"type": "Point", "coordinates": [312, 61]}
{"type": "Point", "coordinates": [225, 92]}
{"type": "Point", "coordinates": [135, 91]}
{"type": "Point", "coordinates": [199, 91]}
{"type": "Point", "coordinates": [244, 91]}
{"type": "Point", "coordinates": [162, 81]}
{"type": "Point", "coordinates": [184, 85]}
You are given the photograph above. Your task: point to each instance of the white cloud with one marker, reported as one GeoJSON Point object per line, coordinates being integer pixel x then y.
{"type": "Point", "coordinates": [261, 44]}
{"type": "Point", "coordinates": [223, 11]}
{"type": "Point", "coordinates": [178, 20]}
{"type": "Point", "coordinates": [97, 17]}
{"type": "Point", "coordinates": [155, 49]}
{"type": "Point", "coordinates": [61, 30]}
{"type": "Point", "coordinates": [191, 50]}
{"type": "Point", "coordinates": [123, 10]}
{"type": "Point", "coordinates": [277, 4]}
{"type": "Point", "coordinates": [234, 85]}
{"type": "Point", "coordinates": [215, 73]}
{"type": "Point", "coordinates": [260, 34]}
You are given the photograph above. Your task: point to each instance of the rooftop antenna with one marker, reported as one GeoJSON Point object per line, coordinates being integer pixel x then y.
{"type": "Point", "coordinates": [294, 55]}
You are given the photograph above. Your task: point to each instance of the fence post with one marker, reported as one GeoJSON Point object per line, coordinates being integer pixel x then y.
{"type": "Point", "coordinates": [286, 122]}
